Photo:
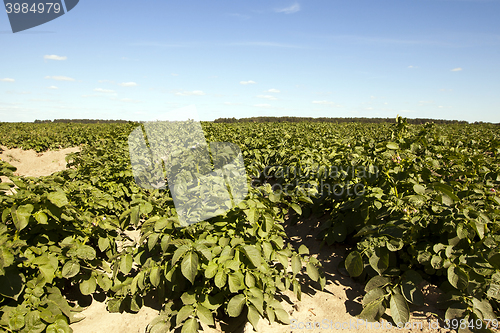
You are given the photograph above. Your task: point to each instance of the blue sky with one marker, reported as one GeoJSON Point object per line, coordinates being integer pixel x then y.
{"type": "Point", "coordinates": [138, 60]}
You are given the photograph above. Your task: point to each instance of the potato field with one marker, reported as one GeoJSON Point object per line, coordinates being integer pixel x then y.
{"type": "Point", "coordinates": [409, 202]}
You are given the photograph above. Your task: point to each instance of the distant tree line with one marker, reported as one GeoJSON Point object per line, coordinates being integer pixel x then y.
{"type": "Point", "coordinates": [82, 121]}
{"type": "Point", "coordinates": [414, 121]}
{"type": "Point", "coordinates": [337, 120]}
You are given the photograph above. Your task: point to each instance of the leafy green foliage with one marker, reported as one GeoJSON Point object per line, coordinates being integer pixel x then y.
{"type": "Point", "coordinates": [429, 209]}
{"type": "Point", "coordinates": [71, 229]}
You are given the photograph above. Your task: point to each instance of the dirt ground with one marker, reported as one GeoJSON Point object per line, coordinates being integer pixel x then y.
{"type": "Point", "coordinates": [334, 308]}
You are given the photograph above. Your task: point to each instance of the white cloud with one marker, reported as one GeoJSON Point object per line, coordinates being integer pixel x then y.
{"type": "Point", "coordinates": [60, 78]}
{"type": "Point", "coordinates": [173, 74]}
{"type": "Point", "coordinates": [128, 84]}
{"type": "Point", "coordinates": [240, 16]}
{"type": "Point", "coordinates": [269, 97]}
{"type": "Point", "coordinates": [11, 92]}
{"type": "Point", "coordinates": [52, 87]}
{"type": "Point", "coordinates": [273, 91]}
{"type": "Point", "coordinates": [94, 95]}
{"type": "Point", "coordinates": [248, 82]}
{"type": "Point", "coordinates": [108, 91]}
{"type": "Point", "coordinates": [289, 10]}
{"type": "Point", "coordinates": [54, 57]}
{"type": "Point", "coordinates": [411, 66]}
{"type": "Point", "coordinates": [129, 100]}
{"type": "Point", "coordinates": [324, 103]}
{"type": "Point", "coordinates": [7, 80]}
{"type": "Point", "coordinates": [231, 103]}
{"type": "Point", "coordinates": [369, 108]}
{"type": "Point", "coordinates": [190, 93]}
{"type": "Point", "coordinates": [321, 93]}
{"type": "Point", "coordinates": [458, 69]}
{"type": "Point", "coordinates": [262, 105]}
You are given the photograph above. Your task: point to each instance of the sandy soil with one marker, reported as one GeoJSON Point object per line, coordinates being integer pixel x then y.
{"type": "Point", "coordinates": [337, 305]}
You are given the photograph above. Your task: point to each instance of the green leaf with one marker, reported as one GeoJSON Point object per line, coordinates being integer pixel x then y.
{"type": "Point", "coordinates": [204, 314]}
{"type": "Point", "coordinates": [373, 311]}
{"type": "Point", "coordinates": [249, 279]}
{"type": "Point", "coordinates": [392, 145]}
{"type": "Point", "coordinates": [41, 217]}
{"type": "Point", "coordinates": [16, 321]}
{"type": "Point", "coordinates": [373, 295]}
{"type": "Point", "coordinates": [377, 281]}
{"type": "Point", "coordinates": [234, 282]}
{"type": "Point", "coordinates": [58, 198]}
{"type": "Point", "coordinates": [400, 311]}
{"type": "Point", "coordinates": [235, 305]}
{"type": "Point", "coordinates": [220, 279]}
{"type": "Point", "coordinates": [70, 269]}
{"type": "Point", "coordinates": [479, 228]}
{"type": "Point", "coordinates": [161, 326]}
{"type": "Point", "coordinates": [419, 189]}
{"type": "Point", "coordinates": [85, 252]}
{"type": "Point", "coordinates": [21, 216]}
{"type": "Point", "coordinates": [103, 243]}
{"type": "Point", "coordinates": [354, 264]}
{"type": "Point", "coordinates": [494, 291]}
{"type": "Point", "coordinates": [179, 253]}
{"type": "Point", "coordinates": [114, 305]}
{"type": "Point", "coordinates": [48, 272]}
{"type": "Point", "coordinates": [282, 316]}
{"type": "Point", "coordinates": [312, 271]}
{"type": "Point", "coordinates": [88, 286]}
{"type": "Point", "coordinates": [296, 264]}
{"type": "Point", "coordinates": [126, 262]}
{"type": "Point", "coordinates": [296, 208]}
{"type": "Point", "coordinates": [190, 326]}
{"type": "Point", "coordinates": [253, 254]}
{"type": "Point", "coordinates": [104, 282]}
{"type": "Point", "coordinates": [188, 297]}
{"type": "Point", "coordinates": [184, 313]}
{"type": "Point", "coordinates": [161, 224]}
{"type": "Point", "coordinates": [251, 215]}
{"type": "Point", "coordinates": [380, 260]}
{"type": "Point", "coordinates": [253, 316]}
{"type": "Point", "coordinates": [447, 190]}
{"type": "Point", "coordinates": [296, 289]}
{"type": "Point", "coordinates": [152, 240]}
{"type": "Point", "coordinates": [211, 270]}
{"type": "Point", "coordinates": [457, 277]}
{"type": "Point", "coordinates": [274, 197]}
{"type": "Point", "coordinates": [34, 323]}
{"type": "Point", "coordinates": [303, 250]}
{"type": "Point", "coordinates": [455, 311]}
{"type": "Point", "coordinates": [134, 215]}
{"type": "Point", "coordinates": [485, 308]}
{"type": "Point", "coordinates": [59, 326]}
{"type": "Point", "coordinates": [189, 266]}
{"type": "Point", "coordinates": [155, 276]}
